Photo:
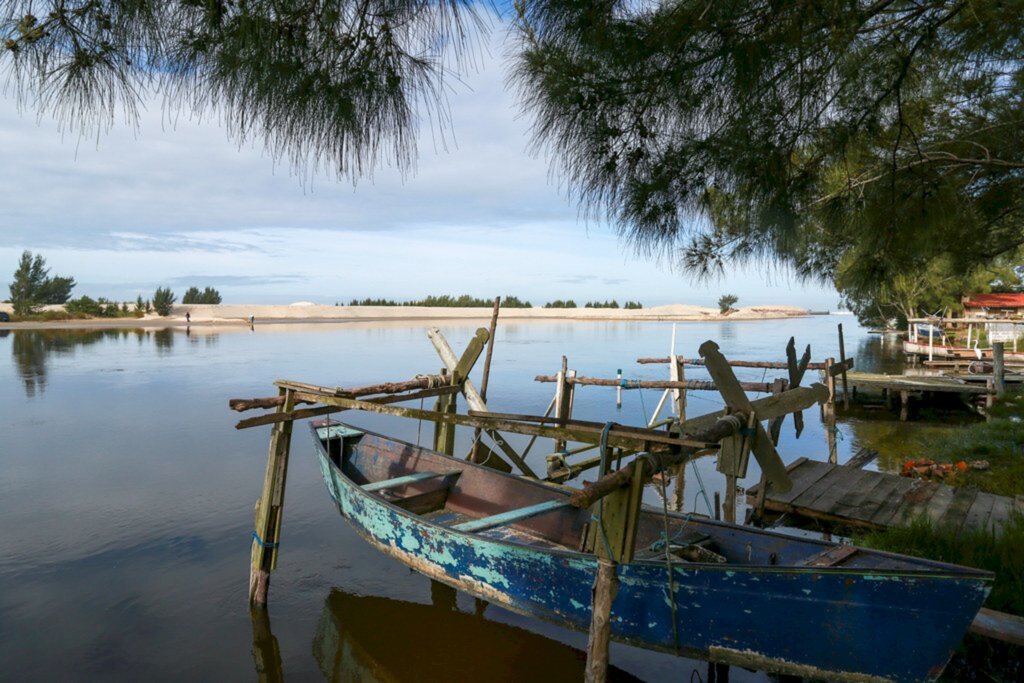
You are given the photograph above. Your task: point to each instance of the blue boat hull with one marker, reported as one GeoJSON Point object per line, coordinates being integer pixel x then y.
{"type": "Point", "coordinates": [829, 623]}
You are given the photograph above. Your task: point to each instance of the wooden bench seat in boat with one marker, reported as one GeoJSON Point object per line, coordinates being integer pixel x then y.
{"type": "Point", "coordinates": [418, 502]}
{"type": "Point", "coordinates": [512, 516]}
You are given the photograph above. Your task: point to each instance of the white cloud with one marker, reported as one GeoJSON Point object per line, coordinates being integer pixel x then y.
{"type": "Point", "coordinates": [128, 212]}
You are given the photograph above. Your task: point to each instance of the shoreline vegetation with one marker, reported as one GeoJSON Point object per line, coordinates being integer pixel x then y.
{"type": "Point", "coordinates": [56, 316]}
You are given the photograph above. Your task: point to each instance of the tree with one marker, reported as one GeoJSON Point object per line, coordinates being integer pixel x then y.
{"type": "Point", "coordinates": [208, 296]}
{"type": "Point", "coordinates": [33, 287]}
{"type": "Point", "coordinates": [726, 302]}
{"type": "Point", "coordinates": [936, 290]}
{"type": "Point", "coordinates": [876, 134]}
{"type": "Point", "coordinates": [163, 299]}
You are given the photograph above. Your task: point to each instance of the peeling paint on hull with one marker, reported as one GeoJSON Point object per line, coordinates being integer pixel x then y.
{"type": "Point", "coordinates": [841, 625]}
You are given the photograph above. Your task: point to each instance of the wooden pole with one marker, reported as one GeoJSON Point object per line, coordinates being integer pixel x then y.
{"type": "Point", "coordinates": [270, 508]}
{"type": "Point", "coordinates": [475, 455]}
{"type": "Point", "coordinates": [563, 400]}
{"type": "Point", "coordinates": [842, 359]}
{"type": "Point", "coordinates": [688, 384]}
{"type": "Point", "coordinates": [618, 388]}
{"type": "Point", "coordinates": [829, 412]}
{"type": "Point", "coordinates": [999, 368]}
{"type": "Point", "coordinates": [606, 586]}
{"type": "Point", "coordinates": [444, 432]}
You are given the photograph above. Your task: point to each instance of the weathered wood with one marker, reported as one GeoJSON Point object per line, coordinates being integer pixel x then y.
{"type": "Point", "coordinates": [999, 368]}
{"type": "Point", "coordinates": [764, 451]}
{"type": "Point", "coordinates": [656, 462]}
{"type": "Point", "coordinates": [421, 382]}
{"type": "Point", "coordinates": [469, 357]}
{"type": "Point", "coordinates": [270, 508]}
{"type": "Point", "coordinates": [862, 498]}
{"type": "Point", "coordinates": [690, 385]}
{"type": "Point", "coordinates": [606, 586]}
{"type": "Point", "coordinates": [477, 451]}
{"type": "Point", "coordinates": [953, 519]}
{"type": "Point", "coordinates": [677, 373]}
{"type": "Point", "coordinates": [842, 361]}
{"type": "Point", "coordinates": [771, 365]}
{"type": "Point", "coordinates": [796, 370]}
{"type": "Point", "coordinates": [1008, 628]}
{"type": "Point", "coordinates": [564, 395]}
{"type": "Point", "coordinates": [444, 432]}
{"type": "Point", "coordinates": [862, 457]}
{"type": "Point", "coordinates": [474, 399]}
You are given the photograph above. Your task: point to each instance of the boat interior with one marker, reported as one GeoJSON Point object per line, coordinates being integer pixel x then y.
{"type": "Point", "coordinates": [471, 498]}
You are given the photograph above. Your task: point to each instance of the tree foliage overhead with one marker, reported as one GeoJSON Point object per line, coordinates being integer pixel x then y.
{"type": "Point", "coordinates": [333, 82]}
{"type": "Point", "coordinates": [842, 136]}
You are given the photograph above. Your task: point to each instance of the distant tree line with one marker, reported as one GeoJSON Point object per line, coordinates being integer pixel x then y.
{"type": "Point", "coordinates": [467, 301]}
{"type": "Point", "coordinates": [445, 301]}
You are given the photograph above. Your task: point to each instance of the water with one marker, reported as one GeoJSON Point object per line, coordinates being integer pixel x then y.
{"type": "Point", "coordinates": [127, 498]}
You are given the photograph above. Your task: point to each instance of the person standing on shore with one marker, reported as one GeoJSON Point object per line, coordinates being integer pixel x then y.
{"type": "Point", "coordinates": [188, 317]}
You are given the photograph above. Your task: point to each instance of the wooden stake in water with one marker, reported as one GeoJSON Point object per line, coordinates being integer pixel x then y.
{"type": "Point", "coordinates": [270, 507]}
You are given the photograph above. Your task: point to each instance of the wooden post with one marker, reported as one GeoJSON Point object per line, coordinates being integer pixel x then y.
{"type": "Point", "coordinates": [563, 400]}
{"type": "Point", "coordinates": [999, 368]}
{"type": "Point", "coordinates": [829, 412]}
{"type": "Point", "coordinates": [270, 507]}
{"type": "Point", "coordinates": [730, 498]}
{"type": "Point", "coordinates": [677, 373]}
{"type": "Point", "coordinates": [444, 432]}
{"type": "Point", "coordinates": [842, 359]}
{"type": "Point", "coordinates": [606, 586]}
{"type": "Point", "coordinates": [904, 405]}
{"type": "Point", "coordinates": [475, 455]}
{"type": "Point", "coordinates": [718, 505]}
{"type": "Point", "coordinates": [618, 389]}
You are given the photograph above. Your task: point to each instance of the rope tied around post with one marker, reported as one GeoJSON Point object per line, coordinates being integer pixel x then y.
{"type": "Point", "coordinates": [262, 543]}
{"type": "Point", "coordinates": [435, 381]}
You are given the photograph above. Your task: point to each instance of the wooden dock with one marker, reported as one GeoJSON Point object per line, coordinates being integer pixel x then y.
{"type": "Point", "coordinates": [851, 496]}
{"type": "Point", "coordinates": [937, 383]}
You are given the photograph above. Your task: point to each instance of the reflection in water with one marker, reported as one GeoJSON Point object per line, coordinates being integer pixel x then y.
{"type": "Point", "coordinates": [164, 340]}
{"type": "Point", "coordinates": [32, 348]}
{"type": "Point", "coordinates": [265, 650]}
{"type": "Point", "coordinates": [370, 638]}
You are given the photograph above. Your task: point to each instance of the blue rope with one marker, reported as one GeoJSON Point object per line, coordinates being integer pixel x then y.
{"type": "Point", "coordinates": [263, 543]}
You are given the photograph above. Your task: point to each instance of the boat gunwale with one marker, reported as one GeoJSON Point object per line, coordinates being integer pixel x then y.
{"type": "Point", "coordinates": [952, 571]}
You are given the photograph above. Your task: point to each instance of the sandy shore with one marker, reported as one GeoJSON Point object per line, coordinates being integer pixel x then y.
{"type": "Point", "coordinates": [220, 314]}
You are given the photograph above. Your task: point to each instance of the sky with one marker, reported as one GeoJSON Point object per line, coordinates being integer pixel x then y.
{"type": "Point", "coordinates": [179, 204]}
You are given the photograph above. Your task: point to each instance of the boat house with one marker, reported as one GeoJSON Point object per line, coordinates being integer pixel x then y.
{"type": "Point", "coordinates": [994, 305]}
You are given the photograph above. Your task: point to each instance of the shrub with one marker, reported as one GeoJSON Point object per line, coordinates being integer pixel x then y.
{"type": "Point", "coordinates": [558, 303]}
{"type": "Point", "coordinates": [726, 301]}
{"type": "Point", "coordinates": [633, 305]}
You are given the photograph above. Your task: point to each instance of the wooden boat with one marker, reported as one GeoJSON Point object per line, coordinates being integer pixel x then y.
{"type": "Point", "coordinates": [732, 594]}
{"type": "Point", "coordinates": [931, 339]}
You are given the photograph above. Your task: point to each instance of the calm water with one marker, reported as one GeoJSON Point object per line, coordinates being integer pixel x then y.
{"type": "Point", "coordinates": [127, 499]}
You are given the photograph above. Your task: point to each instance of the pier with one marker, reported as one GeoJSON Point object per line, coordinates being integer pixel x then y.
{"type": "Point", "coordinates": [850, 496]}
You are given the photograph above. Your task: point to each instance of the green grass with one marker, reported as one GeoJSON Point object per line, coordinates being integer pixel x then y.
{"type": "Point", "coordinates": [999, 441]}
{"type": "Point", "coordinates": [1000, 553]}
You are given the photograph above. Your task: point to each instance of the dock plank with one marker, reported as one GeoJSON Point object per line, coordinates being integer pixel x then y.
{"type": "Point", "coordinates": [834, 478]}
{"type": "Point", "coordinates": [977, 516]}
{"type": "Point", "coordinates": [954, 517]}
{"type": "Point", "coordinates": [858, 497]}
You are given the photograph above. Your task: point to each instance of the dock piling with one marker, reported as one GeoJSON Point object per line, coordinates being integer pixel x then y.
{"type": "Point", "coordinates": [270, 507]}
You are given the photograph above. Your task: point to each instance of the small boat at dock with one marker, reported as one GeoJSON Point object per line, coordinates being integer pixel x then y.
{"type": "Point", "coordinates": [703, 588]}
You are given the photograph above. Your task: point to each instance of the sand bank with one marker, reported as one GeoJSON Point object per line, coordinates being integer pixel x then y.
{"type": "Point", "coordinates": [305, 312]}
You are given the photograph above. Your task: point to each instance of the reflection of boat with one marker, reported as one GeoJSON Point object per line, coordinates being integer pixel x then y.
{"type": "Point", "coordinates": [751, 597]}
{"type": "Point", "coordinates": [369, 638]}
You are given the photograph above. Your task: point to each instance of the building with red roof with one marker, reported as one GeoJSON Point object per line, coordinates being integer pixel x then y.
{"type": "Point", "coordinates": [994, 305]}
